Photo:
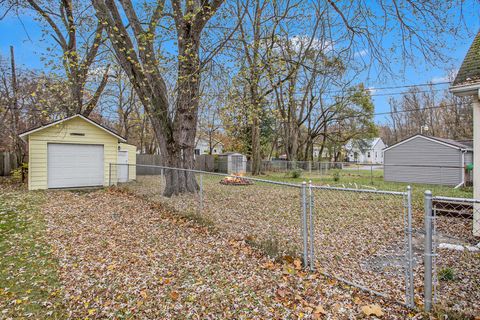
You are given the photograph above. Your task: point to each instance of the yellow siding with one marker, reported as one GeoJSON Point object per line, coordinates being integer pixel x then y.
{"type": "Point", "coordinates": [60, 133]}
{"type": "Point", "coordinates": [132, 159]}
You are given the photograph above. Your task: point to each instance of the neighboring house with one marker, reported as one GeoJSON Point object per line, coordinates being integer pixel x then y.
{"type": "Point", "coordinates": [430, 160]}
{"type": "Point", "coordinates": [77, 152]}
{"type": "Point", "coordinates": [467, 84]}
{"type": "Point", "coordinates": [316, 152]}
{"type": "Point", "coordinates": [365, 151]}
{"type": "Point", "coordinates": [202, 146]}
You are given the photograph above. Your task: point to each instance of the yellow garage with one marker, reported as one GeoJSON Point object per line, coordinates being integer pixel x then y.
{"type": "Point", "coordinates": [77, 152]}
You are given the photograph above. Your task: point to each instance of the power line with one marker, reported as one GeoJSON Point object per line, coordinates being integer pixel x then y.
{"type": "Point", "coordinates": [396, 112]}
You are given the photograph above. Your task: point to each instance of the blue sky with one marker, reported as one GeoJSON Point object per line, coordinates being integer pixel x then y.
{"type": "Point", "coordinates": [25, 35]}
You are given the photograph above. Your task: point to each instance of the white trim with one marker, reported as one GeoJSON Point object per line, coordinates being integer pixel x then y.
{"type": "Point", "coordinates": [427, 138]}
{"type": "Point", "coordinates": [69, 118]}
{"type": "Point", "coordinates": [465, 90]}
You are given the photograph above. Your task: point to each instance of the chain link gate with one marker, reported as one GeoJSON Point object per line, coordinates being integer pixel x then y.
{"type": "Point", "coordinates": [341, 240]}
{"type": "Point", "coordinates": [452, 254]}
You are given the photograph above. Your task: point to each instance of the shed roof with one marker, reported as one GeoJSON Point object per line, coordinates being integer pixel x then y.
{"type": "Point", "coordinates": [39, 128]}
{"type": "Point", "coordinates": [469, 72]}
{"type": "Point", "coordinates": [460, 144]}
{"type": "Point", "coordinates": [230, 153]}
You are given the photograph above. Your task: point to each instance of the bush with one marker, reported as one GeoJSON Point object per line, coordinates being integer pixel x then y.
{"type": "Point", "coordinates": [336, 175]}
{"type": "Point", "coordinates": [19, 174]}
{"type": "Point", "coordinates": [446, 274]}
{"type": "Point", "coordinates": [295, 173]}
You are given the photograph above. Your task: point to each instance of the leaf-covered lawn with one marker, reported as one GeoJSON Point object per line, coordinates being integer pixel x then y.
{"type": "Point", "coordinates": [122, 257]}
{"type": "Point", "coordinates": [29, 286]}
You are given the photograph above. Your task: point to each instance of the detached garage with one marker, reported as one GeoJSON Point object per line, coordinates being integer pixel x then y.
{"type": "Point", "coordinates": [429, 160]}
{"type": "Point", "coordinates": [77, 152]}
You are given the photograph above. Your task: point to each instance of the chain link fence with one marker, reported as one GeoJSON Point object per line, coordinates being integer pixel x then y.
{"type": "Point", "coordinates": [364, 238]}
{"type": "Point", "coordinates": [360, 237]}
{"type": "Point", "coordinates": [452, 254]}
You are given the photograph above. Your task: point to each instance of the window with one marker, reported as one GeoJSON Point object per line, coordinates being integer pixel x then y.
{"type": "Point", "coordinates": [197, 152]}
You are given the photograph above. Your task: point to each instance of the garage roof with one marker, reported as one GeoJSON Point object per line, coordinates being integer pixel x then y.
{"type": "Point", "coordinates": [462, 145]}
{"type": "Point", "coordinates": [26, 133]}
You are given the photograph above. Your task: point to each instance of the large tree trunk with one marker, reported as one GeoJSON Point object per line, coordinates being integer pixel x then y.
{"type": "Point", "coordinates": [180, 152]}
{"type": "Point", "coordinates": [292, 140]}
{"type": "Point", "coordinates": [256, 154]}
{"type": "Point", "coordinates": [175, 135]}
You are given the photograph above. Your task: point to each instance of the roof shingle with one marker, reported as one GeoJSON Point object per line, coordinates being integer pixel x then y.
{"type": "Point", "coordinates": [469, 72]}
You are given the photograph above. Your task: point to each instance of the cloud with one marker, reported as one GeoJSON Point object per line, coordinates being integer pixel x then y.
{"type": "Point", "coordinates": [301, 42]}
{"type": "Point", "coordinates": [371, 90]}
{"type": "Point", "coordinates": [448, 77]}
{"type": "Point", "coordinates": [361, 53]}
{"type": "Point", "coordinates": [440, 79]}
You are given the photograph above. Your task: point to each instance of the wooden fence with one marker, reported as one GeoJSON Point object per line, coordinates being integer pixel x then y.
{"type": "Point", "coordinates": [203, 162]}
{"type": "Point", "coordinates": [8, 162]}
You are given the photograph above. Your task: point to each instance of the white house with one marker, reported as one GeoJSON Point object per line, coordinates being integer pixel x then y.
{"type": "Point", "coordinates": [365, 151]}
{"type": "Point", "coordinates": [202, 146]}
{"type": "Point", "coordinates": [467, 83]}
{"type": "Point", "coordinates": [316, 152]}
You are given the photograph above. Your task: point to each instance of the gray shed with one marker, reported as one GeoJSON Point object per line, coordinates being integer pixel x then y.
{"type": "Point", "coordinates": [430, 160]}
{"type": "Point", "coordinates": [232, 162]}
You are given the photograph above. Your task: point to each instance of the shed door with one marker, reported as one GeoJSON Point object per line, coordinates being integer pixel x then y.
{"type": "Point", "coordinates": [237, 163]}
{"type": "Point", "coordinates": [122, 166]}
{"type": "Point", "coordinates": [74, 165]}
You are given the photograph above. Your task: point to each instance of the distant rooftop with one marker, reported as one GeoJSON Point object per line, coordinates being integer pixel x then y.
{"type": "Point", "coordinates": [469, 72]}
{"type": "Point", "coordinates": [464, 144]}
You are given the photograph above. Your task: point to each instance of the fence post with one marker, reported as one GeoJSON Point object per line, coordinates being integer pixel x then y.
{"type": "Point", "coordinates": [311, 212]}
{"type": "Point", "coordinates": [304, 223]}
{"type": "Point", "coordinates": [371, 173]}
{"type": "Point", "coordinates": [428, 251]}
{"type": "Point", "coordinates": [161, 178]}
{"type": "Point", "coordinates": [200, 194]}
{"type": "Point", "coordinates": [411, 291]}
{"type": "Point", "coordinates": [109, 174]}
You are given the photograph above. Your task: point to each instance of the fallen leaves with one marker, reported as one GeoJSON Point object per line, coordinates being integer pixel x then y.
{"type": "Point", "coordinates": [318, 312]}
{"type": "Point", "coordinates": [174, 295]}
{"type": "Point", "coordinates": [161, 266]}
{"type": "Point", "coordinates": [298, 264]}
{"type": "Point", "coordinates": [372, 310]}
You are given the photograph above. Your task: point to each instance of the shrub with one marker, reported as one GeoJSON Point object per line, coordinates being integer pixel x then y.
{"type": "Point", "coordinates": [336, 175]}
{"type": "Point", "coordinates": [295, 173]}
{"type": "Point", "coordinates": [446, 274]}
{"type": "Point", "coordinates": [19, 174]}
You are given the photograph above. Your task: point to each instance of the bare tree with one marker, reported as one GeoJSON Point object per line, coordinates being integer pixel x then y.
{"type": "Point", "coordinates": [80, 38]}
{"type": "Point", "coordinates": [174, 125]}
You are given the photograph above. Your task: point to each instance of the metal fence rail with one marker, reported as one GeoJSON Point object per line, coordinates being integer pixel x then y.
{"type": "Point", "coordinates": [452, 254]}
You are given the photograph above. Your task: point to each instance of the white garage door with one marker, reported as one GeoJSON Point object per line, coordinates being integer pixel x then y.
{"type": "Point", "coordinates": [74, 165]}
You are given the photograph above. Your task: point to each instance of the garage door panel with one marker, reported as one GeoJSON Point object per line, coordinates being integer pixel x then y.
{"type": "Point", "coordinates": [75, 165]}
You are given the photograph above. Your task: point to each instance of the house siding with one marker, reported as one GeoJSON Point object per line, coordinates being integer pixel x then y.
{"type": "Point", "coordinates": [423, 161]}
{"type": "Point", "coordinates": [60, 133]}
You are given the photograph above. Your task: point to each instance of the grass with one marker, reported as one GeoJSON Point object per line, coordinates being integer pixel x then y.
{"type": "Point", "coordinates": [446, 274]}
{"type": "Point", "coordinates": [367, 179]}
{"type": "Point", "coordinates": [29, 286]}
